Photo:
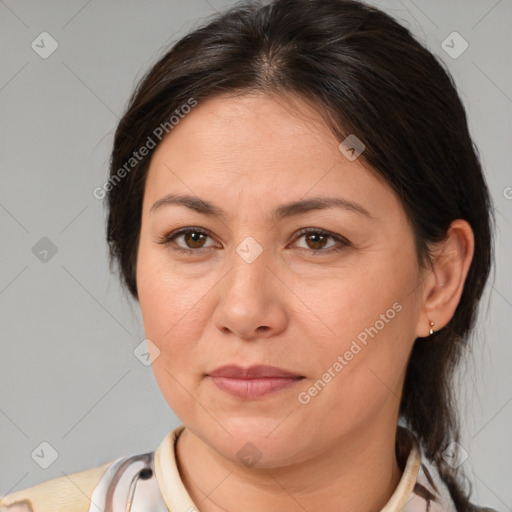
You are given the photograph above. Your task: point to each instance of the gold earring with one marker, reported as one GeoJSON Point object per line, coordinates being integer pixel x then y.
{"type": "Point", "coordinates": [431, 330]}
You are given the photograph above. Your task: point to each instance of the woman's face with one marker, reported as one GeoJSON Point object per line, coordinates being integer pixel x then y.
{"type": "Point", "coordinates": [338, 307]}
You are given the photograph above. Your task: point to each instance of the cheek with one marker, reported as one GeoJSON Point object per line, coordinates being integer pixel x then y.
{"type": "Point", "coordinates": [355, 299]}
{"type": "Point", "coordinates": [357, 375]}
{"type": "Point", "coordinates": [171, 306]}
{"type": "Point", "coordinates": [172, 313]}
{"type": "Point", "coordinates": [368, 317]}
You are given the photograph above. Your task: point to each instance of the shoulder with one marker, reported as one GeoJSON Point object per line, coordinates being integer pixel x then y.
{"type": "Point", "coordinates": [68, 492]}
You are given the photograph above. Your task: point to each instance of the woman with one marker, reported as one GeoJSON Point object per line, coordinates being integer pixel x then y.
{"type": "Point", "coordinates": [296, 204]}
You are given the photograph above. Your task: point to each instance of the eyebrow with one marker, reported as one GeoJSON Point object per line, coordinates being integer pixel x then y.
{"type": "Point", "coordinates": [287, 210]}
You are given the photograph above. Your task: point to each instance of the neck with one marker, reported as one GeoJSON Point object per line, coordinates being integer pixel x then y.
{"type": "Point", "coordinates": [361, 473]}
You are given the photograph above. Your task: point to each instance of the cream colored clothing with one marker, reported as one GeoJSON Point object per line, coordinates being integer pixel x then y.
{"type": "Point", "coordinates": [151, 482]}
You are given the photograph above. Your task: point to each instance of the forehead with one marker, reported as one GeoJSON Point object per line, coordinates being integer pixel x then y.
{"type": "Point", "coordinates": [258, 147]}
{"type": "Point", "coordinates": [252, 125]}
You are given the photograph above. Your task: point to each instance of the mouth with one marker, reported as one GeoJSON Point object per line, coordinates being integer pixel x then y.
{"type": "Point", "coordinates": [253, 382]}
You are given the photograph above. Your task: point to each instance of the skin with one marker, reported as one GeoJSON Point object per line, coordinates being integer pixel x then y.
{"type": "Point", "coordinates": [288, 308]}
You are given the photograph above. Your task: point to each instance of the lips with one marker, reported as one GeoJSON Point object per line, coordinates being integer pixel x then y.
{"type": "Point", "coordinates": [253, 382]}
{"type": "Point", "coordinates": [253, 372]}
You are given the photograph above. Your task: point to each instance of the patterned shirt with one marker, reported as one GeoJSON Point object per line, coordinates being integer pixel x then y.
{"type": "Point", "coordinates": [150, 482]}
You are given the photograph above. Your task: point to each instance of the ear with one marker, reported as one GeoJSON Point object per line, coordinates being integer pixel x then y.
{"type": "Point", "coordinates": [443, 284]}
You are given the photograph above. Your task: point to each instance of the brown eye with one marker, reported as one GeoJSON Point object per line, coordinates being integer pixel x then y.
{"type": "Point", "coordinates": [316, 240]}
{"type": "Point", "coordinates": [194, 239]}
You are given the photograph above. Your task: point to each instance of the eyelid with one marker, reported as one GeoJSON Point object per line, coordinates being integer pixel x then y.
{"type": "Point", "coordinates": [342, 241]}
{"type": "Point", "coordinates": [339, 238]}
{"type": "Point", "coordinates": [170, 237]}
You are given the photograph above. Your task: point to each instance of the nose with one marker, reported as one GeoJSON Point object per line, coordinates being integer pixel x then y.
{"type": "Point", "coordinates": [252, 297]}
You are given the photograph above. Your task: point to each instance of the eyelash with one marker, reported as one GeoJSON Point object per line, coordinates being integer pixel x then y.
{"type": "Point", "coordinates": [343, 242]}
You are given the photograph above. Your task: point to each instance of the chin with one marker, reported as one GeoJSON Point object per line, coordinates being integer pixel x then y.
{"type": "Point", "coordinates": [256, 442]}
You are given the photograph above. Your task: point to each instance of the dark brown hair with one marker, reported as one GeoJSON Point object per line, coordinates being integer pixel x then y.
{"type": "Point", "coordinates": [368, 76]}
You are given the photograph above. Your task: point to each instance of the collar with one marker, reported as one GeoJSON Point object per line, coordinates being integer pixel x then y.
{"type": "Point", "coordinates": [404, 498]}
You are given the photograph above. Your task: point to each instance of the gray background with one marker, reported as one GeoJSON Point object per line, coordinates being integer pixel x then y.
{"type": "Point", "coordinates": [68, 373]}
